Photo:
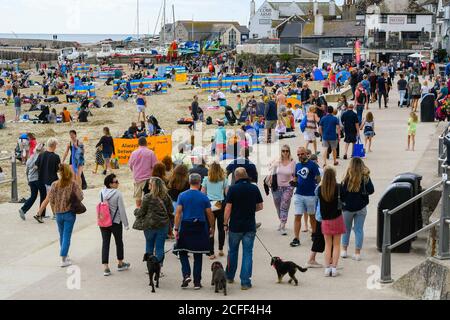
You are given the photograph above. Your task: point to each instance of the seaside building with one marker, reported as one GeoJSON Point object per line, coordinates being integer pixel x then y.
{"type": "Point", "coordinates": [264, 21]}
{"type": "Point", "coordinates": [441, 22]}
{"type": "Point", "coordinates": [229, 33]}
{"type": "Point", "coordinates": [398, 25]}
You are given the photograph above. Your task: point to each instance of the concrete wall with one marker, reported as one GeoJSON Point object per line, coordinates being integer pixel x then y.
{"type": "Point", "coordinates": [36, 43]}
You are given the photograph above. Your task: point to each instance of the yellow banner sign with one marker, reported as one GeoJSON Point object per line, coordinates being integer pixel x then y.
{"type": "Point", "coordinates": [181, 77]}
{"type": "Point", "coordinates": [160, 145]}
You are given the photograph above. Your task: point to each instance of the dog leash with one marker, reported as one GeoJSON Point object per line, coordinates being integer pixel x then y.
{"type": "Point", "coordinates": [263, 245]}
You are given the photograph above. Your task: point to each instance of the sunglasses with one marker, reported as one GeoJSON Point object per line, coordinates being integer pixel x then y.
{"type": "Point", "coordinates": [287, 151]}
{"type": "Point", "coordinates": [301, 154]}
{"type": "Point", "coordinates": [114, 182]}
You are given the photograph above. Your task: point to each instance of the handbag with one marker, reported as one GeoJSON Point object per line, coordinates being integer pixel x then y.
{"type": "Point", "coordinates": [358, 149]}
{"type": "Point", "coordinates": [76, 206]}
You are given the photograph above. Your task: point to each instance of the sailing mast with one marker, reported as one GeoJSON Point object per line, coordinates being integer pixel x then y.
{"type": "Point", "coordinates": [164, 23]}
{"type": "Point", "coordinates": [137, 20]}
{"type": "Point", "coordinates": [173, 26]}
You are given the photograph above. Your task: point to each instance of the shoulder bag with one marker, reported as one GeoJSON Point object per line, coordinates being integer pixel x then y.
{"type": "Point", "coordinates": [76, 206]}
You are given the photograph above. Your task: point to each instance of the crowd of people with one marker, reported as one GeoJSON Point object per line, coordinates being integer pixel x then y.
{"type": "Point", "coordinates": [188, 201]}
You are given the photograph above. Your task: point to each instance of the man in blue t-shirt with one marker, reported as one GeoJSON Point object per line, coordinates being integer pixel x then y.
{"type": "Point", "coordinates": [307, 176]}
{"type": "Point", "coordinates": [193, 216]}
{"type": "Point", "coordinates": [330, 130]}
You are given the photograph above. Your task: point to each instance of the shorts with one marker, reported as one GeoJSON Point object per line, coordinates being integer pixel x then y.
{"type": "Point", "coordinates": [309, 136]}
{"type": "Point", "coordinates": [416, 96]}
{"type": "Point", "coordinates": [271, 124]}
{"type": "Point", "coordinates": [140, 108]}
{"type": "Point", "coordinates": [107, 155]}
{"type": "Point", "coordinates": [138, 189]}
{"type": "Point", "coordinates": [329, 144]}
{"type": "Point", "coordinates": [282, 109]}
{"type": "Point", "coordinates": [350, 138]}
{"type": "Point", "coordinates": [305, 204]}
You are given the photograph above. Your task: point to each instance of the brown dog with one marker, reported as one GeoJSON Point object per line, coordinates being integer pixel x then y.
{"type": "Point", "coordinates": [218, 278]}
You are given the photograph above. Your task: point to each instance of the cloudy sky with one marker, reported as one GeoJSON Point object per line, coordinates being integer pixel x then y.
{"type": "Point", "coordinates": [111, 16]}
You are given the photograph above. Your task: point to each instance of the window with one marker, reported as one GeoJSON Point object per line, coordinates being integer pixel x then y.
{"type": "Point", "coordinates": [232, 38]}
{"type": "Point", "coordinates": [383, 18]}
{"type": "Point", "coordinates": [412, 19]}
{"type": "Point", "coordinates": [255, 36]}
{"type": "Point", "coordinates": [265, 21]}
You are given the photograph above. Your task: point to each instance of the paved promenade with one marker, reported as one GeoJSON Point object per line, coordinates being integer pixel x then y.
{"type": "Point", "coordinates": [30, 263]}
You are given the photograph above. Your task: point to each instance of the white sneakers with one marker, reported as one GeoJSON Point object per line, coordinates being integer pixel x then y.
{"type": "Point", "coordinates": [66, 263]}
{"type": "Point", "coordinates": [331, 272]}
{"type": "Point", "coordinates": [282, 229]}
{"type": "Point", "coordinates": [356, 257]}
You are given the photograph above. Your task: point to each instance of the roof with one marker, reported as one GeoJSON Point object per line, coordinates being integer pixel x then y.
{"type": "Point", "coordinates": [428, 2]}
{"type": "Point", "coordinates": [336, 28]}
{"type": "Point", "coordinates": [390, 7]}
{"type": "Point", "coordinates": [207, 25]}
{"type": "Point", "coordinates": [305, 6]}
{"type": "Point", "coordinates": [244, 30]}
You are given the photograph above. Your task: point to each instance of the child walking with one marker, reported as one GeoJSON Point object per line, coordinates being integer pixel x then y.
{"type": "Point", "coordinates": [412, 128]}
{"type": "Point", "coordinates": [99, 161]}
{"type": "Point", "coordinates": [333, 226]}
{"type": "Point", "coordinates": [368, 127]}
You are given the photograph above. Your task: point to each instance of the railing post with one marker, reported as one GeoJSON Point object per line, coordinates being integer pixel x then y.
{"type": "Point", "coordinates": [441, 152]}
{"type": "Point", "coordinates": [386, 255]}
{"type": "Point", "coordinates": [444, 232]}
{"type": "Point", "coordinates": [14, 193]}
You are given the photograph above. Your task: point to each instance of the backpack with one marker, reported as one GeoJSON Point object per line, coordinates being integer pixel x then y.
{"type": "Point", "coordinates": [362, 97]}
{"type": "Point", "coordinates": [304, 123]}
{"type": "Point", "coordinates": [104, 219]}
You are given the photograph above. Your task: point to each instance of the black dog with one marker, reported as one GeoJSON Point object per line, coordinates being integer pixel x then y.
{"type": "Point", "coordinates": [218, 278]}
{"type": "Point", "coordinates": [154, 269]}
{"type": "Point", "coordinates": [283, 267]}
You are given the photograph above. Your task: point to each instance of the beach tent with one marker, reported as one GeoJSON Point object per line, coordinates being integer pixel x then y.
{"type": "Point", "coordinates": [343, 75]}
{"type": "Point", "coordinates": [318, 75]}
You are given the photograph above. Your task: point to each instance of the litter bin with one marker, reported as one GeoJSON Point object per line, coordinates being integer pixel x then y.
{"type": "Point", "coordinates": [427, 108]}
{"type": "Point", "coordinates": [415, 180]}
{"type": "Point", "coordinates": [402, 222]}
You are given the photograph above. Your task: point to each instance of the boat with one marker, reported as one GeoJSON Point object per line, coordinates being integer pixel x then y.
{"type": "Point", "coordinates": [105, 52]}
{"type": "Point", "coordinates": [69, 53]}
{"type": "Point", "coordinates": [141, 51]}
{"type": "Point", "coordinates": [122, 52]}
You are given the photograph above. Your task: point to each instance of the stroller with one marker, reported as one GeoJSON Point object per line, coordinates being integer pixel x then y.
{"type": "Point", "coordinates": [109, 81]}
{"type": "Point", "coordinates": [43, 116]}
{"type": "Point", "coordinates": [230, 116]}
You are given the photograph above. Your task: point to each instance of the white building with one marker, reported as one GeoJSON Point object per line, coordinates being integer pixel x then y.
{"type": "Point", "coordinates": [263, 22]}
{"type": "Point", "coordinates": [399, 24]}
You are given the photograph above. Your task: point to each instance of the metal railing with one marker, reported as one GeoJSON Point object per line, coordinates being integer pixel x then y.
{"type": "Point", "coordinates": [13, 180]}
{"type": "Point", "coordinates": [442, 151]}
{"type": "Point", "coordinates": [443, 222]}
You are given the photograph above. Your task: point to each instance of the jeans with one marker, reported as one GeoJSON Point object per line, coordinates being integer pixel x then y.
{"type": "Point", "coordinates": [402, 94]}
{"type": "Point", "coordinates": [219, 217]}
{"type": "Point", "coordinates": [234, 239]}
{"type": "Point", "coordinates": [154, 242]}
{"type": "Point", "coordinates": [357, 220]}
{"type": "Point", "coordinates": [65, 223]}
{"type": "Point", "coordinates": [42, 194]}
{"type": "Point", "coordinates": [380, 95]}
{"type": "Point", "coordinates": [282, 199]}
{"type": "Point", "coordinates": [186, 267]}
{"type": "Point", "coordinates": [117, 231]}
{"type": "Point", "coordinates": [359, 112]}
{"type": "Point", "coordinates": [34, 188]}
